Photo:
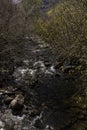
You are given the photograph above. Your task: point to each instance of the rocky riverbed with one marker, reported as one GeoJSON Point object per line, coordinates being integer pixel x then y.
{"type": "Point", "coordinates": [36, 94]}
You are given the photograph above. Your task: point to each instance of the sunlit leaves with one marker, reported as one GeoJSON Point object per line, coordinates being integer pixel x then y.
{"type": "Point", "coordinates": [66, 28]}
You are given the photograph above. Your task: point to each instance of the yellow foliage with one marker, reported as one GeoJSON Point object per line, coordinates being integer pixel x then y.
{"type": "Point", "coordinates": [65, 28]}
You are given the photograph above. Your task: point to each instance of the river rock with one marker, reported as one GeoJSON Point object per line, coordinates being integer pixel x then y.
{"type": "Point", "coordinates": [38, 124]}
{"type": "Point", "coordinates": [17, 102]}
{"type": "Point", "coordinates": [47, 64]}
{"type": "Point", "coordinates": [67, 68]}
{"type": "Point", "coordinates": [34, 113]}
{"type": "Point", "coordinates": [9, 125]}
{"type": "Point", "coordinates": [1, 124]}
{"type": "Point", "coordinates": [7, 100]}
{"type": "Point", "coordinates": [58, 65]}
{"type": "Point", "coordinates": [49, 128]}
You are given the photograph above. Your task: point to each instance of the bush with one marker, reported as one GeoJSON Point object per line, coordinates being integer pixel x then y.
{"type": "Point", "coordinates": [65, 28]}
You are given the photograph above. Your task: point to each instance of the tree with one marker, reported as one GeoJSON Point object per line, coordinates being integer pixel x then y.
{"type": "Point", "coordinates": [16, 19]}
{"type": "Point", "coordinates": [6, 13]}
{"type": "Point", "coordinates": [65, 29]}
{"type": "Point", "coordinates": [29, 10]}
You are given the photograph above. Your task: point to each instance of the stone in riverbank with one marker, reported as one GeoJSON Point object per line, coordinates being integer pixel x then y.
{"type": "Point", "coordinates": [17, 103]}
{"type": "Point", "coordinates": [7, 100]}
{"type": "Point", "coordinates": [1, 125]}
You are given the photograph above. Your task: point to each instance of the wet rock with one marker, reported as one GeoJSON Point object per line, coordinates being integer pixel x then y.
{"type": "Point", "coordinates": [66, 69]}
{"type": "Point", "coordinates": [39, 65]}
{"type": "Point", "coordinates": [34, 113]}
{"type": "Point", "coordinates": [7, 100]}
{"type": "Point", "coordinates": [58, 65]}
{"type": "Point", "coordinates": [47, 64]}
{"type": "Point", "coordinates": [26, 62]}
{"type": "Point", "coordinates": [49, 127]}
{"type": "Point", "coordinates": [1, 100]}
{"type": "Point", "coordinates": [1, 124]}
{"type": "Point", "coordinates": [58, 75]}
{"type": "Point", "coordinates": [17, 102]}
{"type": "Point", "coordinates": [2, 129]}
{"type": "Point", "coordinates": [9, 125]}
{"type": "Point", "coordinates": [10, 121]}
{"type": "Point", "coordinates": [37, 121]}
{"type": "Point", "coordinates": [38, 124]}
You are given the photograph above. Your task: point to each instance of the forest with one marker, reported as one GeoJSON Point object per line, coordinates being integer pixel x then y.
{"type": "Point", "coordinates": [43, 65]}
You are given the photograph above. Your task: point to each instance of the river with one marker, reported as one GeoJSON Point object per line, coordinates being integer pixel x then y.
{"type": "Point", "coordinates": [48, 95]}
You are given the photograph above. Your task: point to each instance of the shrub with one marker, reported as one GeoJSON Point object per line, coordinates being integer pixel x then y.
{"type": "Point", "coordinates": [65, 28]}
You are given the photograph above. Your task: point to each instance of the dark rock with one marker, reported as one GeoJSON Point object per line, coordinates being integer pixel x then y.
{"type": "Point", "coordinates": [58, 74]}
{"type": "Point", "coordinates": [9, 125]}
{"type": "Point", "coordinates": [1, 124]}
{"type": "Point", "coordinates": [7, 100]}
{"type": "Point", "coordinates": [38, 124]}
{"type": "Point", "coordinates": [66, 69]}
{"type": "Point", "coordinates": [58, 65]}
{"type": "Point", "coordinates": [34, 113]}
{"type": "Point", "coordinates": [17, 102]}
{"type": "Point", "coordinates": [49, 128]}
{"type": "Point", "coordinates": [47, 64]}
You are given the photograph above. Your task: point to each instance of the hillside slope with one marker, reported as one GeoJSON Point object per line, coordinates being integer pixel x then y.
{"type": "Point", "coordinates": [47, 4]}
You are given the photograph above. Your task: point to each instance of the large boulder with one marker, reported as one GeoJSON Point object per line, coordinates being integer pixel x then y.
{"type": "Point", "coordinates": [17, 103]}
